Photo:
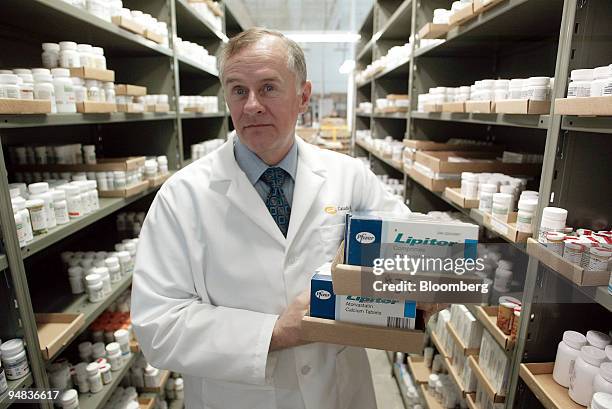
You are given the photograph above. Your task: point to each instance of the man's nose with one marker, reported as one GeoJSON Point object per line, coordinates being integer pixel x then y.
{"type": "Point", "coordinates": [253, 105]}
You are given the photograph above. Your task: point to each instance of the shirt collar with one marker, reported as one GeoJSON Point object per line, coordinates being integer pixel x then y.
{"type": "Point", "coordinates": [254, 167]}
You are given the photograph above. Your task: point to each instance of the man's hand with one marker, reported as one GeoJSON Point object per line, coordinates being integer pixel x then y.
{"type": "Point", "coordinates": [286, 333]}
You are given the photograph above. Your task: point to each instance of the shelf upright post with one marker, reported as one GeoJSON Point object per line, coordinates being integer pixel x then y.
{"type": "Point", "coordinates": [177, 84]}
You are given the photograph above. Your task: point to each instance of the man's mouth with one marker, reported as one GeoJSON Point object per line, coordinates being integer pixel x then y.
{"type": "Point", "coordinates": [256, 126]}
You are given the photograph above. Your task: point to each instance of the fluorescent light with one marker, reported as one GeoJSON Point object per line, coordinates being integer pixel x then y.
{"type": "Point", "coordinates": [323, 36]}
{"type": "Point", "coordinates": [347, 67]}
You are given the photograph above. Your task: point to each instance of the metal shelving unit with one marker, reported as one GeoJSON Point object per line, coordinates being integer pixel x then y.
{"type": "Point", "coordinates": [22, 383]}
{"type": "Point", "coordinates": [24, 25]}
{"type": "Point", "coordinates": [512, 39]}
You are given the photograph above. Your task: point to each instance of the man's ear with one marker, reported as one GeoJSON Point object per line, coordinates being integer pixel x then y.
{"type": "Point", "coordinates": [305, 96]}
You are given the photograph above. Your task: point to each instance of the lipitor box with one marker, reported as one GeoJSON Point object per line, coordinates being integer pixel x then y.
{"type": "Point", "coordinates": [324, 303]}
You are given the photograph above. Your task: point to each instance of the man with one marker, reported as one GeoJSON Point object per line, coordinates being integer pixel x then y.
{"type": "Point", "coordinates": [230, 244]}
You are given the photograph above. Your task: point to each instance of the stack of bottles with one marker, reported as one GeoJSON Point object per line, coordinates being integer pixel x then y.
{"type": "Point", "coordinates": [393, 186]}
{"type": "Point", "coordinates": [411, 397]}
{"type": "Point", "coordinates": [209, 11]}
{"type": "Point", "coordinates": [129, 224]}
{"type": "Point", "coordinates": [43, 206]}
{"type": "Point", "coordinates": [94, 272]}
{"type": "Point", "coordinates": [199, 103]}
{"type": "Point", "coordinates": [394, 57]}
{"type": "Point", "coordinates": [202, 149]}
{"type": "Point", "coordinates": [195, 52]}
{"type": "Point", "coordinates": [13, 362]}
{"type": "Point", "coordinates": [595, 82]}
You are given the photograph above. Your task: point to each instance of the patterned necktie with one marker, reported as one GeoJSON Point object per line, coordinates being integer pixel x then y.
{"type": "Point", "coordinates": [277, 203]}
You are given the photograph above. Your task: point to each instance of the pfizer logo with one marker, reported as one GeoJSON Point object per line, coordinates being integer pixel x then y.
{"type": "Point", "coordinates": [365, 237]}
{"type": "Point", "coordinates": [323, 294]}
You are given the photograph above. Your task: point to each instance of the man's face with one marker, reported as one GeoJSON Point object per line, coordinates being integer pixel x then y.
{"type": "Point", "coordinates": [263, 97]}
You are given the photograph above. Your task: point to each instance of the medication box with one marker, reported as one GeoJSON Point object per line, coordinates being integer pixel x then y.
{"type": "Point", "coordinates": [324, 303]}
{"type": "Point", "coordinates": [370, 236]}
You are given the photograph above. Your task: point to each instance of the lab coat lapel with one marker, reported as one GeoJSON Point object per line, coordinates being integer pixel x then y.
{"type": "Point", "coordinates": [228, 179]}
{"type": "Point", "coordinates": [308, 182]}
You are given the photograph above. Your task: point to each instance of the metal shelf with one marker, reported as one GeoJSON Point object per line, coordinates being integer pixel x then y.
{"type": "Point", "coordinates": [363, 114]}
{"type": "Point", "coordinates": [399, 24]}
{"type": "Point", "coordinates": [190, 24]}
{"type": "Point", "coordinates": [196, 115]}
{"type": "Point", "coordinates": [367, 48]}
{"type": "Point", "coordinates": [603, 297]}
{"type": "Point", "coordinates": [64, 21]}
{"type": "Point", "coordinates": [22, 383]}
{"type": "Point", "coordinates": [596, 124]}
{"type": "Point", "coordinates": [380, 157]}
{"type": "Point", "coordinates": [177, 404]}
{"type": "Point", "coordinates": [29, 121]}
{"type": "Point", "coordinates": [80, 305]}
{"type": "Point", "coordinates": [398, 70]}
{"type": "Point", "coordinates": [189, 66]}
{"type": "Point", "coordinates": [509, 23]}
{"type": "Point", "coordinates": [394, 115]}
{"type": "Point", "coordinates": [98, 400]}
{"type": "Point", "coordinates": [400, 385]}
{"type": "Point", "coordinates": [107, 206]}
{"type": "Point", "coordinates": [3, 262]}
{"type": "Point", "coordinates": [521, 121]}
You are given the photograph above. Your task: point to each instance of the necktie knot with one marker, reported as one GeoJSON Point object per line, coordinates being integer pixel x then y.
{"type": "Point", "coordinates": [274, 177]}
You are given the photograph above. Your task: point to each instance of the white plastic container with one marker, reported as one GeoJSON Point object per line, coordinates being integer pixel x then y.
{"type": "Point", "coordinates": [601, 401]}
{"type": "Point", "coordinates": [122, 337]}
{"type": "Point", "coordinates": [36, 208]}
{"type": "Point", "coordinates": [80, 91]}
{"type": "Point", "coordinates": [105, 373]}
{"type": "Point", "coordinates": [553, 220]}
{"type": "Point", "coordinates": [486, 197]}
{"type": "Point", "coordinates": [598, 339]}
{"type": "Point", "coordinates": [20, 203]}
{"type": "Point", "coordinates": [3, 383]}
{"type": "Point", "coordinates": [8, 86]}
{"type": "Point", "coordinates": [179, 392]}
{"type": "Point", "coordinates": [93, 90]}
{"type": "Point", "coordinates": [100, 60]}
{"type": "Point", "coordinates": [105, 278]}
{"type": "Point", "coordinates": [68, 55]}
{"type": "Point", "coordinates": [580, 85]}
{"type": "Point", "coordinates": [125, 261]}
{"type": "Point", "coordinates": [573, 251]}
{"type": "Point", "coordinates": [603, 380]}
{"type": "Point", "coordinates": [69, 399]}
{"type": "Point", "coordinates": [501, 206]}
{"type": "Point", "coordinates": [44, 89]}
{"type": "Point", "coordinates": [162, 165]}
{"type": "Point", "coordinates": [14, 359]}
{"type": "Point", "coordinates": [524, 217]}
{"type": "Point", "coordinates": [19, 226]}
{"type": "Point", "coordinates": [41, 191]}
{"type": "Point", "coordinates": [86, 56]}
{"type": "Point", "coordinates": [567, 352]}
{"type": "Point", "coordinates": [50, 55]}
{"type": "Point", "coordinates": [151, 377]}
{"type": "Point", "coordinates": [113, 354]}
{"type": "Point", "coordinates": [94, 288]}
{"type": "Point", "coordinates": [65, 99]}
{"type": "Point", "coordinates": [60, 206]}
{"type": "Point", "coordinates": [74, 202]}
{"type": "Point", "coordinates": [75, 276]}
{"type": "Point", "coordinates": [601, 76]}
{"type": "Point", "coordinates": [94, 378]}
{"type": "Point", "coordinates": [583, 373]}
{"type": "Point", "coordinates": [26, 88]}
{"type": "Point", "coordinates": [536, 89]}
{"type": "Point", "coordinates": [599, 259]}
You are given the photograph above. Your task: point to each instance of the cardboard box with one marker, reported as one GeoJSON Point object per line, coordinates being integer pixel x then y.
{"type": "Point", "coordinates": [591, 106]}
{"type": "Point", "coordinates": [356, 309]}
{"type": "Point", "coordinates": [432, 108]}
{"type": "Point", "coordinates": [443, 162]}
{"type": "Point", "coordinates": [487, 316]}
{"type": "Point", "coordinates": [455, 196]}
{"type": "Point", "coordinates": [458, 342]}
{"type": "Point", "coordinates": [538, 377]}
{"type": "Point", "coordinates": [131, 108]}
{"type": "Point", "coordinates": [397, 96]}
{"type": "Point", "coordinates": [131, 90]}
{"type": "Point", "coordinates": [461, 16]}
{"type": "Point", "coordinates": [150, 35]}
{"type": "Point", "coordinates": [506, 229]}
{"type": "Point", "coordinates": [419, 370]}
{"type": "Point", "coordinates": [484, 382]}
{"type": "Point", "coordinates": [128, 24]}
{"type": "Point", "coordinates": [365, 336]}
{"type": "Point", "coordinates": [522, 106]}
{"type": "Point", "coordinates": [158, 108]}
{"type": "Point", "coordinates": [21, 106]}
{"type": "Point", "coordinates": [471, 401]}
{"type": "Point", "coordinates": [146, 403]}
{"type": "Point", "coordinates": [158, 180]}
{"type": "Point", "coordinates": [127, 192]}
{"type": "Point", "coordinates": [93, 74]}
{"type": "Point", "coordinates": [90, 107]}
{"type": "Point", "coordinates": [480, 6]}
{"type": "Point", "coordinates": [444, 146]}
{"type": "Point", "coordinates": [453, 107]}
{"type": "Point", "coordinates": [432, 31]}
{"type": "Point", "coordinates": [434, 185]}
{"type": "Point", "coordinates": [479, 107]}
{"type": "Point", "coordinates": [56, 331]}
{"type": "Point", "coordinates": [572, 272]}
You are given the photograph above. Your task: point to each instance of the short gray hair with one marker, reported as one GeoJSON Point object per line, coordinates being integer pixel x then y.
{"type": "Point", "coordinates": [296, 62]}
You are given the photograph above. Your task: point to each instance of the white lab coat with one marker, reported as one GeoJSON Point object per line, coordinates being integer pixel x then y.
{"type": "Point", "coordinates": [213, 272]}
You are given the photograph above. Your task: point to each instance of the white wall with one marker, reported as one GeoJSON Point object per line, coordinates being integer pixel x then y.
{"type": "Point", "coordinates": [323, 61]}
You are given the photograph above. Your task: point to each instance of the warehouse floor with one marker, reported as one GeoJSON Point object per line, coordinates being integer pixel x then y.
{"type": "Point", "coordinates": [387, 392]}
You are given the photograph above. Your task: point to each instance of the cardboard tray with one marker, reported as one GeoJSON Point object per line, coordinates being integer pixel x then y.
{"type": "Point", "coordinates": [128, 24]}
{"type": "Point", "coordinates": [131, 108]}
{"type": "Point", "coordinates": [163, 378]}
{"type": "Point", "coordinates": [443, 146]}
{"type": "Point", "coordinates": [146, 403]}
{"type": "Point", "coordinates": [130, 191]}
{"type": "Point", "coordinates": [359, 335]}
{"type": "Point", "coordinates": [93, 74]}
{"type": "Point", "coordinates": [522, 106]}
{"type": "Point", "coordinates": [130, 90]}
{"type": "Point", "coordinates": [487, 316]}
{"type": "Point", "coordinates": [158, 180]}
{"type": "Point", "coordinates": [455, 337]}
{"type": "Point", "coordinates": [479, 107]}
{"type": "Point", "coordinates": [433, 185]}
{"type": "Point", "coordinates": [418, 368]}
{"type": "Point", "coordinates": [21, 106]}
{"type": "Point", "coordinates": [431, 31]}
{"type": "Point", "coordinates": [436, 341]}
{"type": "Point", "coordinates": [538, 377]}
{"type": "Point", "coordinates": [453, 107]}
{"type": "Point", "coordinates": [591, 106]}
{"type": "Point", "coordinates": [56, 330]}
{"type": "Point", "coordinates": [484, 381]}
{"type": "Point", "coordinates": [90, 107]}
{"type": "Point", "coordinates": [507, 229]}
{"type": "Point", "coordinates": [480, 6]}
{"type": "Point", "coordinates": [158, 108]}
{"type": "Point", "coordinates": [430, 401]}
{"type": "Point", "coordinates": [572, 272]}
{"type": "Point", "coordinates": [455, 196]}
{"type": "Point", "coordinates": [432, 108]}
{"type": "Point", "coordinates": [461, 16]}
{"type": "Point", "coordinates": [103, 165]}
{"type": "Point", "coordinates": [454, 375]}
{"type": "Point", "coordinates": [150, 35]}
{"type": "Point", "coordinates": [484, 162]}
{"type": "Point", "coordinates": [471, 401]}
{"type": "Point", "coordinates": [351, 280]}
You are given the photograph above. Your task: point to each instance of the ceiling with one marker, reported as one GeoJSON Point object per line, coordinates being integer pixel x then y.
{"type": "Point", "coordinates": [308, 15]}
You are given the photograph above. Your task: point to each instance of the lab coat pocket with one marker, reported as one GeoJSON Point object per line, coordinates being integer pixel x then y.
{"type": "Point", "coordinates": [226, 395]}
{"type": "Point", "coordinates": [331, 236]}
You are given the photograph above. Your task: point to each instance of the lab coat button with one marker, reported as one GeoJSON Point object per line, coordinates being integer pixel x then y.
{"type": "Point", "coordinates": [305, 370]}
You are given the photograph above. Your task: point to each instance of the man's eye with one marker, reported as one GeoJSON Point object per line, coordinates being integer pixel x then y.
{"type": "Point", "coordinates": [268, 88]}
{"type": "Point", "coordinates": [239, 91]}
